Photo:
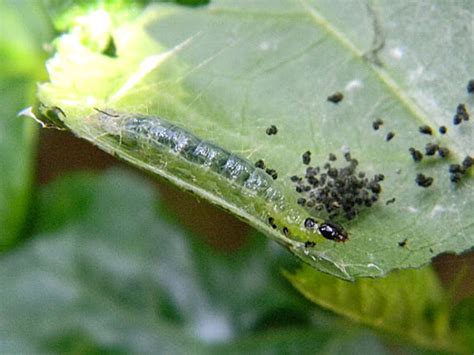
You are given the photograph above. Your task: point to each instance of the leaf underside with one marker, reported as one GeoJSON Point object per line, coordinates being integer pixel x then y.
{"type": "Point", "coordinates": [229, 70]}
{"type": "Point", "coordinates": [410, 304]}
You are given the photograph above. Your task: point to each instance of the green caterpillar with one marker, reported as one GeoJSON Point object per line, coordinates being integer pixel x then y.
{"type": "Point", "coordinates": [154, 136]}
{"type": "Point", "coordinates": [152, 142]}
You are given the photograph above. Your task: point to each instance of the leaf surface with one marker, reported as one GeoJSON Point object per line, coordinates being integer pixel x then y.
{"type": "Point", "coordinates": [227, 71]}
{"type": "Point", "coordinates": [410, 304]}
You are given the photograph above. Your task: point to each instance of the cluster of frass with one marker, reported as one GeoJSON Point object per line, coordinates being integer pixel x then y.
{"type": "Point", "coordinates": [337, 190]}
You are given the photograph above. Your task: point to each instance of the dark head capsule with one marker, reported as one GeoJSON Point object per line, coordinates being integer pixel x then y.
{"type": "Point", "coordinates": [333, 231]}
{"type": "Point", "coordinates": [442, 129]}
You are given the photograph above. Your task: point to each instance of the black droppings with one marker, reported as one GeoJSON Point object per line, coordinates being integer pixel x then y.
{"type": "Point", "coordinates": [272, 173]}
{"type": "Point", "coordinates": [388, 202]}
{"type": "Point", "coordinates": [271, 221]}
{"type": "Point", "coordinates": [467, 162]}
{"type": "Point", "coordinates": [425, 130]}
{"type": "Point", "coordinates": [470, 86]}
{"type": "Point", "coordinates": [375, 187]}
{"type": "Point", "coordinates": [306, 157]}
{"type": "Point", "coordinates": [442, 129]}
{"type": "Point", "coordinates": [455, 177]}
{"type": "Point", "coordinates": [456, 171]}
{"type": "Point", "coordinates": [347, 156]}
{"type": "Point", "coordinates": [423, 181]}
{"type": "Point", "coordinates": [443, 152]}
{"type": "Point", "coordinates": [333, 231]}
{"type": "Point", "coordinates": [301, 201]}
{"type": "Point", "coordinates": [377, 123]}
{"type": "Point", "coordinates": [456, 120]}
{"type": "Point", "coordinates": [415, 154]}
{"type": "Point", "coordinates": [431, 148]}
{"type": "Point", "coordinates": [462, 111]}
{"type": "Point", "coordinates": [310, 223]}
{"type": "Point", "coordinates": [272, 130]}
{"type": "Point", "coordinates": [403, 243]}
{"type": "Point", "coordinates": [389, 136]}
{"type": "Point", "coordinates": [311, 204]}
{"type": "Point", "coordinates": [336, 97]}
{"type": "Point", "coordinates": [309, 244]}
{"type": "Point", "coordinates": [295, 178]}
{"type": "Point", "coordinates": [461, 114]}
{"type": "Point", "coordinates": [260, 164]}
{"type": "Point", "coordinates": [332, 157]}
{"type": "Point", "coordinates": [285, 231]}
{"type": "Point", "coordinates": [456, 168]}
{"type": "Point", "coordinates": [379, 177]}
{"type": "Point", "coordinates": [333, 172]}
{"type": "Point", "coordinates": [339, 190]}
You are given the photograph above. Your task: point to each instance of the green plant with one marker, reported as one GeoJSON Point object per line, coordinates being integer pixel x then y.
{"type": "Point", "coordinates": [124, 275]}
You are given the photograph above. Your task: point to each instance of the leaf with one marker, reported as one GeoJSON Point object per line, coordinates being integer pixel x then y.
{"type": "Point", "coordinates": [463, 319]}
{"type": "Point", "coordinates": [21, 30]}
{"type": "Point", "coordinates": [227, 71]}
{"type": "Point", "coordinates": [108, 270]}
{"type": "Point", "coordinates": [408, 304]}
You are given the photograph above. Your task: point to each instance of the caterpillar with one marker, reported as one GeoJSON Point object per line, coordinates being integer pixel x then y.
{"type": "Point", "coordinates": [147, 141]}
{"type": "Point", "coordinates": [154, 137]}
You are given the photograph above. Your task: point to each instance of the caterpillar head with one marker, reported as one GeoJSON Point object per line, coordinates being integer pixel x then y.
{"type": "Point", "coordinates": [327, 229]}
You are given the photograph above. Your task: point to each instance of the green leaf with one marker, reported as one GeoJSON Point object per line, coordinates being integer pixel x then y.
{"type": "Point", "coordinates": [463, 319]}
{"type": "Point", "coordinates": [408, 304]}
{"type": "Point", "coordinates": [108, 270]}
{"type": "Point", "coordinates": [227, 71]}
{"type": "Point", "coordinates": [22, 30]}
